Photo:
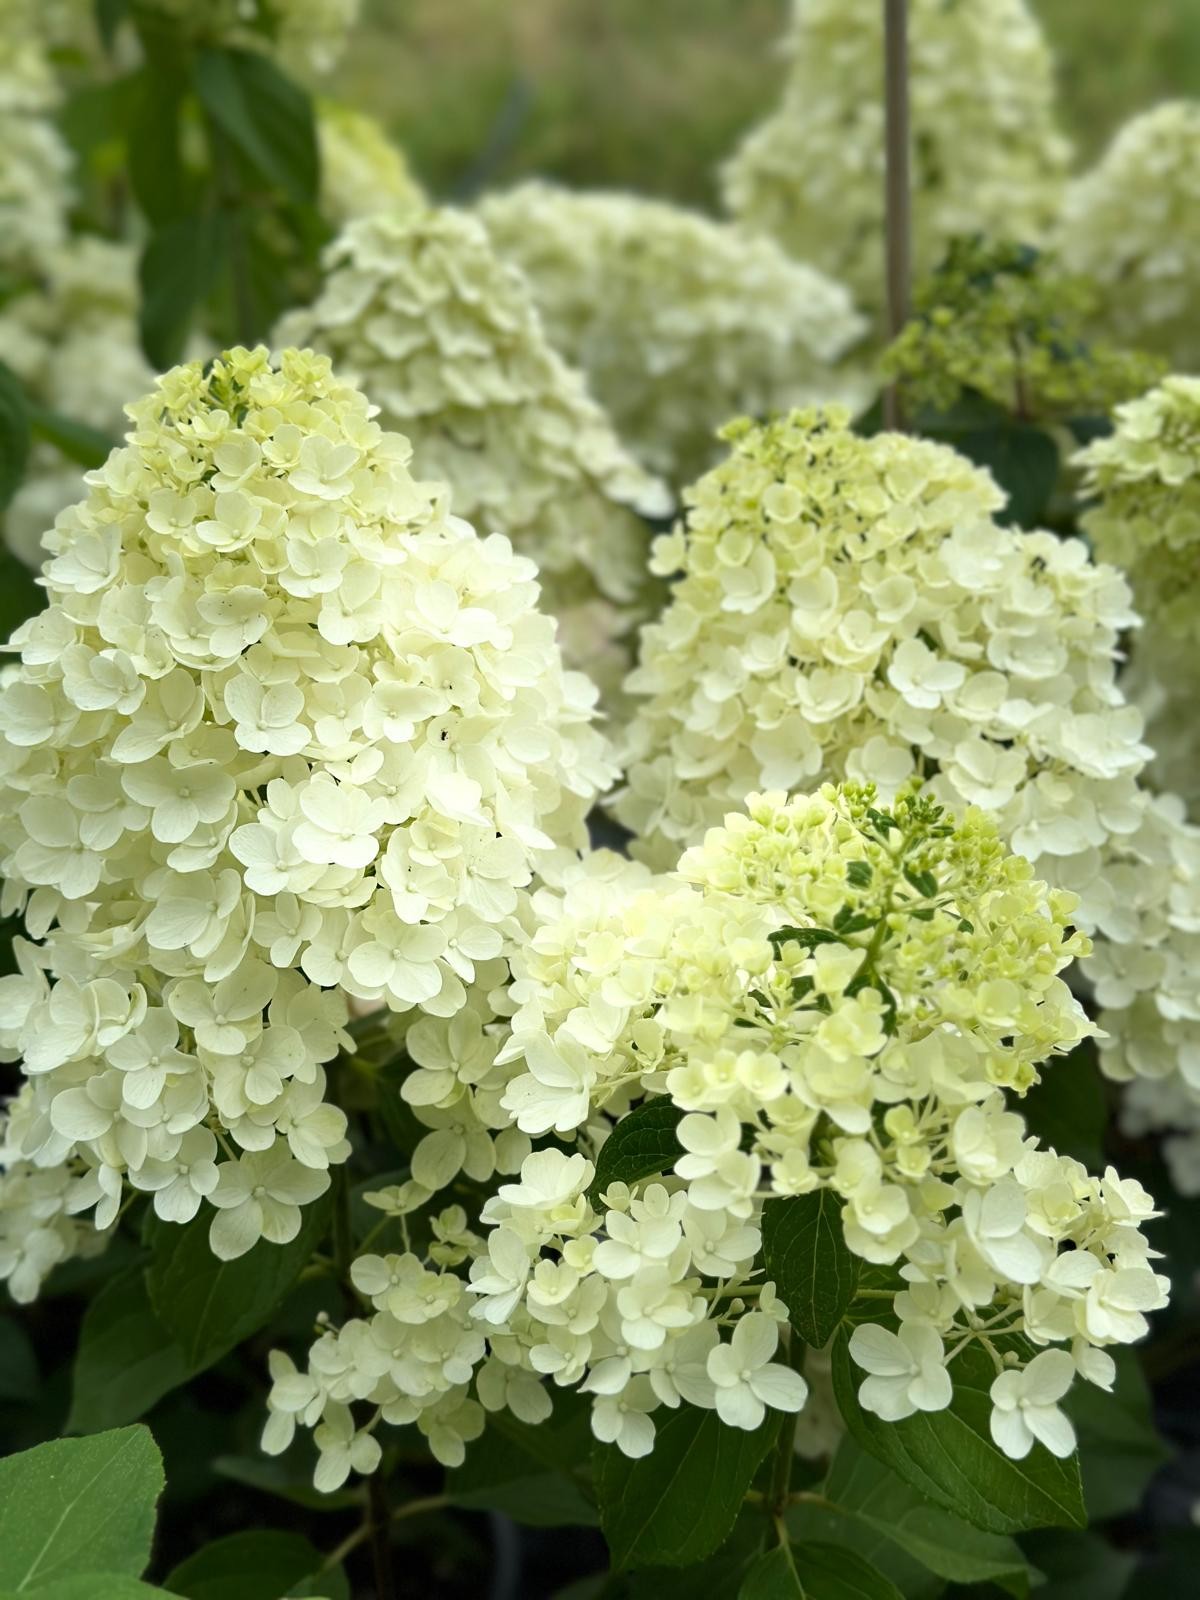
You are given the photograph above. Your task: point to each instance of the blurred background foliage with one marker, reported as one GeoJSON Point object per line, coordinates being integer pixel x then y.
{"type": "Point", "coordinates": [653, 94]}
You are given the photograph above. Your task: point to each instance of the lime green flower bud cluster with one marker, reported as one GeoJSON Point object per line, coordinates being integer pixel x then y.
{"type": "Point", "coordinates": [447, 340]}
{"type": "Point", "coordinates": [987, 153]}
{"type": "Point", "coordinates": [677, 322]}
{"type": "Point", "coordinates": [1003, 321]}
{"type": "Point", "coordinates": [1132, 225]}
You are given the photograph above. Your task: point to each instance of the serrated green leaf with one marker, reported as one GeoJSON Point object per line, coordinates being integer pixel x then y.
{"type": "Point", "coordinates": [805, 1253]}
{"type": "Point", "coordinates": [874, 1502]}
{"type": "Point", "coordinates": [772, 1577]}
{"type": "Point", "coordinates": [265, 1564]}
{"type": "Point", "coordinates": [949, 1457]}
{"type": "Point", "coordinates": [126, 1359]}
{"type": "Point", "coordinates": [265, 114]}
{"type": "Point", "coordinates": [642, 1145]}
{"type": "Point", "coordinates": [678, 1504]}
{"type": "Point", "coordinates": [210, 1305]}
{"type": "Point", "coordinates": [831, 1572]}
{"type": "Point", "coordinates": [78, 1505]}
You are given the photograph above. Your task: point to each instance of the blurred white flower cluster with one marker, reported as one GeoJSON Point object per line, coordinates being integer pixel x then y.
{"type": "Point", "coordinates": [307, 34]}
{"type": "Point", "coordinates": [987, 155]}
{"type": "Point", "coordinates": [1132, 225]}
{"type": "Point", "coordinates": [72, 338]}
{"type": "Point", "coordinates": [829, 995]}
{"type": "Point", "coordinates": [362, 171]}
{"type": "Point", "coordinates": [849, 607]}
{"type": "Point", "coordinates": [287, 731]}
{"type": "Point", "coordinates": [446, 340]}
{"type": "Point", "coordinates": [35, 164]}
{"type": "Point", "coordinates": [678, 322]}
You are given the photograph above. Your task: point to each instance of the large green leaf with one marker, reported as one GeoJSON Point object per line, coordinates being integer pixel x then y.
{"type": "Point", "coordinates": [805, 1252]}
{"type": "Point", "coordinates": [875, 1509]}
{"type": "Point", "coordinates": [1023, 459]}
{"type": "Point", "coordinates": [261, 1565]}
{"type": "Point", "coordinates": [719, 1576]}
{"type": "Point", "coordinates": [180, 263]}
{"type": "Point", "coordinates": [1068, 1109]}
{"type": "Point", "coordinates": [19, 1377]}
{"type": "Point", "coordinates": [154, 141]}
{"type": "Point", "coordinates": [126, 1359]}
{"type": "Point", "coordinates": [90, 1586]}
{"type": "Point", "coordinates": [14, 434]}
{"type": "Point", "coordinates": [78, 1505]}
{"type": "Point", "coordinates": [950, 1458]}
{"type": "Point", "coordinates": [831, 1572]}
{"type": "Point", "coordinates": [678, 1504]}
{"type": "Point", "coordinates": [211, 1305]}
{"type": "Point", "coordinates": [642, 1145]}
{"type": "Point", "coordinates": [265, 114]}
{"type": "Point", "coordinates": [1082, 1566]}
{"type": "Point", "coordinates": [772, 1577]}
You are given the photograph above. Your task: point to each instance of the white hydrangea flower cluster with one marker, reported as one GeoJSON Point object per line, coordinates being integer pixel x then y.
{"type": "Point", "coordinates": [35, 164]}
{"type": "Point", "coordinates": [1145, 481]}
{"type": "Point", "coordinates": [308, 34]}
{"type": "Point", "coordinates": [446, 339]}
{"type": "Point", "coordinates": [849, 607]}
{"type": "Point", "coordinates": [828, 996]}
{"type": "Point", "coordinates": [1132, 225]}
{"type": "Point", "coordinates": [287, 731]}
{"type": "Point", "coordinates": [72, 339]}
{"type": "Point", "coordinates": [678, 322]}
{"type": "Point", "coordinates": [987, 155]}
{"type": "Point", "coordinates": [362, 170]}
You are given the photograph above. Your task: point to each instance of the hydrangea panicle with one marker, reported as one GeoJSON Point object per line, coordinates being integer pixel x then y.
{"type": "Point", "coordinates": [287, 731]}
{"type": "Point", "coordinates": [447, 339]}
{"type": "Point", "coordinates": [833, 994]}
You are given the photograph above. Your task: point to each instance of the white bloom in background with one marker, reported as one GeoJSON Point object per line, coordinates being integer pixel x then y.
{"type": "Point", "coordinates": [445, 337]}
{"type": "Point", "coordinates": [678, 322]}
{"type": "Point", "coordinates": [1025, 1406]}
{"type": "Point", "coordinates": [198, 795]}
{"type": "Point", "coordinates": [1131, 225]}
{"type": "Point", "coordinates": [987, 154]}
{"type": "Point", "coordinates": [907, 1370]}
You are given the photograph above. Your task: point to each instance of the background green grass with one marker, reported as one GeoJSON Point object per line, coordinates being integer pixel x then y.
{"type": "Point", "coordinates": [652, 94]}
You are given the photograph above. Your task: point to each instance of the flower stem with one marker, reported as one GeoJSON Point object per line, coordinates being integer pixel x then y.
{"type": "Point", "coordinates": [785, 1448]}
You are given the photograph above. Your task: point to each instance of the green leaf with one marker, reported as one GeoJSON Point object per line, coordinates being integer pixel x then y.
{"type": "Point", "coordinates": [14, 434]}
{"type": "Point", "coordinates": [271, 1475]}
{"type": "Point", "coordinates": [210, 1305]}
{"type": "Point", "coordinates": [90, 1586]}
{"type": "Point", "coordinates": [950, 1458]}
{"type": "Point", "coordinates": [772, 1577]}
{"type": "Point", "coordinates": [261, 1565]}
{"type": "Point", "coordinates": [1082, 1566]}
{"type": "Point", "coordinates": [718, 1577]}
{"type": "Point", "coordinates": [805, 1253]}
{"type": "Point", "coordinates": [1120, 1449]}
{"type": "Point", "coordinates": [1068, 1109]}
{"type": "Point", "coordinates": [126, 1359]}
{"type": "Point", "coordinates": [78, 1504]}
{"type": "Point", "coordinates": [154, 142]}
{"type": "Point", "coordinates": [678, 1504]}
{"type": "Point", "coordinates": [19, 1376]}
{"type": "Point", "coordinates": [179, 265]}
{"type": "Point", "coordinates": [642, 1145]}
{"type": "Point", "coordinates": [831, 1572]}
{"type": "Point", "coordinates": [875, 1504]}
{"type": "Point", "coordinates": [265, 115]}
{"type": "Point", "coordinates": [1024, 462]}
{"type": "Point", "coordinates": [20, 595]}
{"type": "Point", "coordinates": [499, 1475]}
{"type": "Point", "coordinates": [87, 447]}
